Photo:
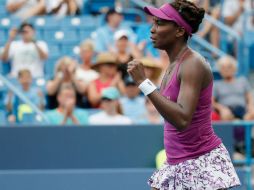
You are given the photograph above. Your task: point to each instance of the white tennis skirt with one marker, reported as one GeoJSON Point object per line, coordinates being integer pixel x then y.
{"type": "Point", "coordinates": [211, 171]}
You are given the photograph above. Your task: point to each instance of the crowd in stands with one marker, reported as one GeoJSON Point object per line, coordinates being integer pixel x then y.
{"type": "Point", "coordinates": [95, 88]}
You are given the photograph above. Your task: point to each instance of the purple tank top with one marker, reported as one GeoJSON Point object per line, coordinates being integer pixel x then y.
{"type": "Point", "coordinates": [198, 138]}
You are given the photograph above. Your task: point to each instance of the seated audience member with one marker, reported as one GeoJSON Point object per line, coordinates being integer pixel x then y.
{"type": "Point", "coordinates": [64, 74]}
{"type": "Point", "coordinates": [232, 95]}
{"type": "Point", "coordinates": [133, 104]}
{"type": "Point", "coordinates": [26, 53]}
{"type": "Point", "coordinates": [111, 114]}
{"type": "Point", "coordinates": [25, 9]}
{"type": "Point", "coordinates": [233, 13]}
{"type": "Point", "coordinates": [15, 106]}
{"type": "Point", "coordinates": [106, 65]}
{"type": "Point", "coordinates": [125, 51]}
{"type": "Point", "coordinates": [67, 113]}
{"type": "Point", "coordinates": [61, 8]}
{"type": "Point", "coordinates": [152, 69]}
{"type": "Point", "coordinates": [213, 8]}
{"type": "Point", "coordinates": [152, 115]}
{"type": "Point", "coordinates": [104, 36]}
{"type": "Point", "coordinates": [84, 72]}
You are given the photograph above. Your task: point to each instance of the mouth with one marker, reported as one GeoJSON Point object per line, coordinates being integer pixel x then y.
{"type": "Point", "coordinates": [152, 39]}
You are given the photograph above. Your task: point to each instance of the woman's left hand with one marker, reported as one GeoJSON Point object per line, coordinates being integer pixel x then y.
{"type": "Point", "coordinates": [136, 70]}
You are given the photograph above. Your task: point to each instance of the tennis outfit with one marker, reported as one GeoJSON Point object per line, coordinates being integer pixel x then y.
{"type": "Point", "coordinates": [196, 157]}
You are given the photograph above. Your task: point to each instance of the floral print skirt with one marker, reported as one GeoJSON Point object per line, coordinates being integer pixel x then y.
{"type": "Point", "coordinates": [211, 171]}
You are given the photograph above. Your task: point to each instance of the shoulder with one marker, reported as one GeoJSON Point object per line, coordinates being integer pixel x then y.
{"type": "Point", "coordinates": [195, 64]}
{"type": "Point", "coordinates": [81, 111]}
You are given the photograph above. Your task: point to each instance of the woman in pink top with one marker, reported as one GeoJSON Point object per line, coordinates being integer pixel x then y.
{"type": "Point", "coordinates": [196, 157]}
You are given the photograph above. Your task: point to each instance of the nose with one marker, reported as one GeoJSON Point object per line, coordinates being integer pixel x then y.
{"type": "Point", "coordinates": [152, 30]}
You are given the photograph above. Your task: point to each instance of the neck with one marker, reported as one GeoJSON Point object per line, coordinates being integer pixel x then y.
{"type": "Point", "coordinates": [175, 50]}
{"type": "Point", "coordinates": [111, 112]}
{"type": "Point", "coordinates": [86, 65]}
{"type": "Point", "coordinates": [104, 77]}
{"type": "Point", "coordinates": [111, 25]}
{"type": "Point", "coordinates": [25, 88]}
{"type": "Point", "coordinates": [229, 79]}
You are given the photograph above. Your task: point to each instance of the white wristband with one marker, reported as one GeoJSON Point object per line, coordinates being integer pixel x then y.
{"type": "Point", "coordinates": [147, 87]}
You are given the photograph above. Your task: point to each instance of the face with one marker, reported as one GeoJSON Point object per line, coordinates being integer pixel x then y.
{"type": "Point", "coordinates": [27, 33]}
{"type": "Point", "coordinates": [66, 96]}
{"type": "Point", "coordinates": [227, 69]}
{"type": "Point", "coordinates": [109, 70]}
{"type": "Point", "coordinates": [86, 55]}
{"type": "Point", "coordinates": [163, 33]}
{"type": "Point", "coordinates": [122, 44]}
{"type": "Point", "coordinates": [109, 105]}
{"type": "Point", "coordinates": [132, 91]}
{"type": "Point", "coordinates": [25, 80]}
{"type": "Point", "coordinates": [115, 19]}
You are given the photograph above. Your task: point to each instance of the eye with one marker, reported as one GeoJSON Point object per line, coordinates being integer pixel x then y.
{"type": "Point", "coordinates": [159, 22]}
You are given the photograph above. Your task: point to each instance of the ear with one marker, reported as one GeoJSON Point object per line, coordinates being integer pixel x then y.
{"type": "Point", "coordinates": [180, 32]}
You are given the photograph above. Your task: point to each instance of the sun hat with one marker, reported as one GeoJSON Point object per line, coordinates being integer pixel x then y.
{"type": "Point", "coordinates": [110, 93]}
{"type": "Point", "coordinates": [150, 63]}
{"type": "Point", "coordinates": [104, 58]}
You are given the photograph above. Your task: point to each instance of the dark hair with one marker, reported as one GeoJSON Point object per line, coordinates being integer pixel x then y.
{"type": "Point", "coordinates": [192, 14]}
{"type": "Point", "coordinates": [111, 12]}
{"type": "Point", "coordinates": [23, 25]}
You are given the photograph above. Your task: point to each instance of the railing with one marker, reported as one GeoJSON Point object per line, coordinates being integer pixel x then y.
{"type": "Point", "coordinates": [17, 92]}
{"type": "Point", "coordinates": [242, 52]}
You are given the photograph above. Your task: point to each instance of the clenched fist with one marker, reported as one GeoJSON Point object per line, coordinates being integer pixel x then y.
{"type": "Point", "coordinates": [136, 70]}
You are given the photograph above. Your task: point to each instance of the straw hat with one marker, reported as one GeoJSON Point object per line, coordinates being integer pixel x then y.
{"type": "Point", "coordinates": [104, 58]}
{"type": "Point", "coordinates": [150, 63]}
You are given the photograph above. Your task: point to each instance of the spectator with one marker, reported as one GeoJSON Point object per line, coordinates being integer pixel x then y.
{"type": "Point", "coordinates": [126, 51]}
{"type": "Point", "coordinates": [232, 95]}
{"type": "Point", "coordinates": [25, 9]}
{"type": "Point", "coordinates": [61, 8]}
{"type": "Point", "coordinates": [84, 72]}
{"type": "Point", "coordinates": [152, 70]}
{"type": "Point", "coordinates": [213, 8]}
{"type": "Point", "coordinates": [26, 53]}
{"type": "Point", "coordinates": [152, 115]}
{"type": "Point", "coordinates": [232, 12]}
{"type": "Point", "coordinates": [133, 104]}
{"type": "Point", "coordinates": [64, 74]}
{"type": "Point", "coordinates": [106, 65]}
{"type": "Point", "coordinates": [66, 113]}
{"type": "Point", "coordinates": [104, 36]}
{"type": "Point", "coordinates": [17, 107]}
{"type": "Point", "coordinates": [111, 114]}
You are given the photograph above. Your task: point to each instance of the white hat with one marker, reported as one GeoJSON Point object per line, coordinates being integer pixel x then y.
{"type": "Point", "coordinates": [120, 33]}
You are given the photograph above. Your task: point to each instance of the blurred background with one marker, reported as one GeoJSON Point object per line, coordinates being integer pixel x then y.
{"type": "Point", "coordinates": [70, 115]}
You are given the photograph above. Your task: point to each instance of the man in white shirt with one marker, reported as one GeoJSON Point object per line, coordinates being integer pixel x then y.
{"type": "Point", "coordinates": [26, 53]}
{"type": "Point", "coordinates": [111, 110]}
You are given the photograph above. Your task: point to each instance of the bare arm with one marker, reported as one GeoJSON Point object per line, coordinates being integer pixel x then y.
{"type": "Point", "coordinates": [42, 54]}
{"type": "Point", "coordinates": [72, 7]}
{"type": "Point", "coordinates": [13, 7]}
{"type": "Point", "coordinates": [249, 100]}
{"type": "Point", "coordinates": [53, 85]}
{"type": "Point", "coordinates": [178, 113]}
{"type": "Point", "coordinates": [36, 10]}
{"type": "Point", "coordinates": [12, 35]}
{"type": "Point", "coordinates": [93, 96]}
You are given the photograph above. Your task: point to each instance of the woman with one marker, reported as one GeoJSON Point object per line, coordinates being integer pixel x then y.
{"type": "Point", "coordinates": [106, 65]}
{"type": "Point", "coordinates": [196, 157]}
{"type": "Point", "coordinates": [64, 73]}
{"type": "Point", "coordinates": [232, 97]}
